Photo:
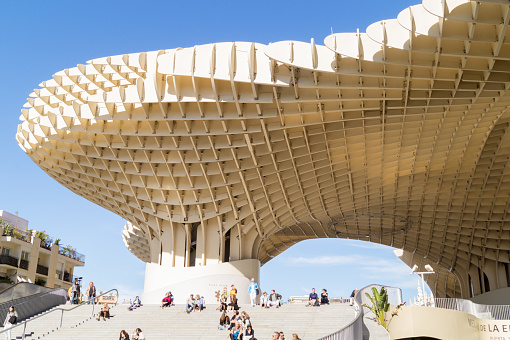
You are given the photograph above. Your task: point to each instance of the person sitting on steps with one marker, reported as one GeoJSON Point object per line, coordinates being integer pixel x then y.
{"type": "Point", "coordinates": [137, 303]}
{"type": "Point", "coordinates": [324, 297]}
{"type": "Point", "coordinates": [224, 321]}
{"type": "Point", "coordinates": [274, 299]}
{"type": "Point", "coordinates": [198, 303]}
{"type": "Point", "coordinates": [249, 334]}
{"type": "Point", "coordinates": [264, 299]}
{"type": "Point", "coordinates": [167, 300]}
{"type": "Point", "coordinates": [123, 335]}
{"type": "Point", "coordinates": [137, 334]}
{"type": "Point", "coordinates": [233, 303]}
{"type": "Point", "coordinates": [313, 299]}
{"type": "Point", "coordinates": [190, 303]}
{"type": "Point", "coordinates": [104, 313]}
{"type": "Point", "coordinates": [223, 303]}
{"type": "Point", "coordinates": [236, 333]}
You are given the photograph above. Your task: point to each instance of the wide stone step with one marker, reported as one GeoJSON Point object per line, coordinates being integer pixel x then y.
{"type": "Point", "coordinates": [175, 323]}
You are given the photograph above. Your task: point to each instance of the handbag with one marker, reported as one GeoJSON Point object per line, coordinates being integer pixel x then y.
{"type": "Point", "coordinates": [13, 319]}
{"type": "Point", "coordinates": [257, 291]}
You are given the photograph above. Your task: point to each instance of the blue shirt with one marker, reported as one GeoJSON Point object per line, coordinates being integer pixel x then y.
{"type": "Point", "coordinates": [253, 287]}
{"type": "Point", "coordinates": [236, 334]}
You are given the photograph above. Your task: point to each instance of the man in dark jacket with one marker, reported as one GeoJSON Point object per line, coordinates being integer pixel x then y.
{"type": "Point", "coordinates": [313, 299]}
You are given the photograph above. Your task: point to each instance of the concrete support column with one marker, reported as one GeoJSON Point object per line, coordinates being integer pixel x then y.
{"type": "Point", "coordinates": [52, 268]}
{"type": "Point", "coordinates": [34, 257]}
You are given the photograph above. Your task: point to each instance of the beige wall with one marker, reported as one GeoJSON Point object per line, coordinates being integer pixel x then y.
{"type": "Point", "coordinates": [416, 321]}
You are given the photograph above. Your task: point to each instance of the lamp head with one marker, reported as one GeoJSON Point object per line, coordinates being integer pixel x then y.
{"type": "Point", "coordinates": [415, 268]}
{"type": "Point", "coordinates": [429, 268]}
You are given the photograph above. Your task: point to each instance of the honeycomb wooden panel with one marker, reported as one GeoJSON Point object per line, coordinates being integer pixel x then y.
{"type": "Point", "coordinates": [396, 136]}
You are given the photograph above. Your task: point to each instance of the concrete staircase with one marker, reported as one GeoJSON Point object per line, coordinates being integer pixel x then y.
{"type": "Point", "coordinates": [371, 330]}
{"type": "Point", "coordinates": [49, 322]}
{"type": "Point", "coordinates": [175, 323]}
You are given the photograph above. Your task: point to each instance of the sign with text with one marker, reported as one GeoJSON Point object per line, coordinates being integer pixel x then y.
{"type": "Point", "coordinates": [492, 329]}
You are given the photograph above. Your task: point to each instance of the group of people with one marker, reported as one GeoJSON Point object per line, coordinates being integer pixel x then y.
{"type": "Point", "coordinates": [75, 296]}
{"type": "Point", "coordinates": [239, 325]}
{"type": "Point", "coordinates": [315, 300]}
{"type": "Point", "coordinates": [281, 336]}
{"type": "Point", "coordinates": [228, 299]}
{"type": "Point", "coordinates": [137, 335]}
{"type": "Point", "coordinates": [273, 299]}
{"type": "Point", "coordinates": [196, 303]}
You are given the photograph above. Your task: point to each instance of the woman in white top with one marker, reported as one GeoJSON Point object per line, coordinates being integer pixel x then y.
{"type": "Point", "coordinates": [10, 319]}
{"type": "Point", "coordinates": [137, 334]}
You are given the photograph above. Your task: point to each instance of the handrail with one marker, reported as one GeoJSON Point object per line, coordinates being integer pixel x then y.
{"type": "Point", "coordinates": [355, 334]}
{"type": "Point", "coordinates": [24, 323]}
{"type": "Point", "coordinates": [19, 284]}
{"type": "Point", "coordinates": [338, 334]}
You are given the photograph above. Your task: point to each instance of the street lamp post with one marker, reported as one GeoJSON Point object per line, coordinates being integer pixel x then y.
{"type": "Point", "coordinates": [429, 270]}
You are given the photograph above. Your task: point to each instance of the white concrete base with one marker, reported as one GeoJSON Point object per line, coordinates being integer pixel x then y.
{"type": "Point", "coordinates": [207, 281]}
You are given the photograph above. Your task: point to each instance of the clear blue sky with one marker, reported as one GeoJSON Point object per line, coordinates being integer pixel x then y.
{"type": "Point", "coordinates": [40, 38]}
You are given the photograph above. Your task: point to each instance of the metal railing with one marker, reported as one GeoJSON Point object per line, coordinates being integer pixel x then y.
{"type": "Point", "coordinates": [23, 264]}
{"type": "Point", "coordinates": [28, 306]}
{"type": "Point", "coordinates": [73, 254]}
{"type": "Point", "coordinates": [354, 330]}
{"type": "Point", "coordinates": [9, 260]}
{"type": "Point", "coordinates": [43, 270]}
{"type": "Point", "coordinates": [490, 312]}
{"type": "Point", "coordinates": [20, 290]}
{"type": "Point", "coordinates": [25, 322]}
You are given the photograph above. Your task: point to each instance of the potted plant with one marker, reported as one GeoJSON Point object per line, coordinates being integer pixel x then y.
{"type": "Point", "coordinates": [40, 282]}
{"type": "Point", "coordinates": [8, 230]}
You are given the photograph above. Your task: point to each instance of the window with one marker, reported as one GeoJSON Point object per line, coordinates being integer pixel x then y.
{"type": "Point", "coordinates": [226, 252]}
{"type": "Point", "coordinates": [25, 255]}
{"type": "Point", "coordinates": [193, 244]}
{"type": "Point", "coordinates": [6, 251]}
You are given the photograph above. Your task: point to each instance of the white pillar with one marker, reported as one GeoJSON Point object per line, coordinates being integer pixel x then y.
{"type": "Point", "coordinates": [204, 280]}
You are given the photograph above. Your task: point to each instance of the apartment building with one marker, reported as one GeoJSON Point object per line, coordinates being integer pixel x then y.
{"type": "Point", "coordinates": [32, 256]}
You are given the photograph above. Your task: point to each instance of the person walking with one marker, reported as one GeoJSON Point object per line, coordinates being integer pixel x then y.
{"type": "Point", "coordinates": [10, 320]}
{"type": "Point", "coordinates": [253, 291]}
{"type": "Point", "coordinates": [91, 293]}
{"type": "Point", "coordinates": [75, 289]}
{"type": "Point", "coordinates": [352, 296]}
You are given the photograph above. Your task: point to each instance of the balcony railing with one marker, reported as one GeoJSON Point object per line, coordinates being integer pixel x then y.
{"type": "Point", "coordinates": [73, 254]}
{"type": "Point", "coordinates": [9, 260]}
{"type": "Point", "coordinates": [23, 264]}
{"type": "Point", "coordinates": [42, 270]}
{"type": "Point", "coordinates": [58, 274]}
{"type": "Point", "coordinates": [46, 244]}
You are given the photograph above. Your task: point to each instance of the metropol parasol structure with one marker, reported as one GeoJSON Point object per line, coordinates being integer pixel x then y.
{"type": "Point", "coordinates": [222, 156]}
